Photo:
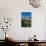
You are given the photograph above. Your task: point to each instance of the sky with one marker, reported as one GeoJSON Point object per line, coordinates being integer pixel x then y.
{"type": "Point", "coordinates": [26, 14]}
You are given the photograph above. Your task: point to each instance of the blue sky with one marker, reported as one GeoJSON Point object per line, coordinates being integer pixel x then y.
{"type": "Point", "coordinates": [26, 14]}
